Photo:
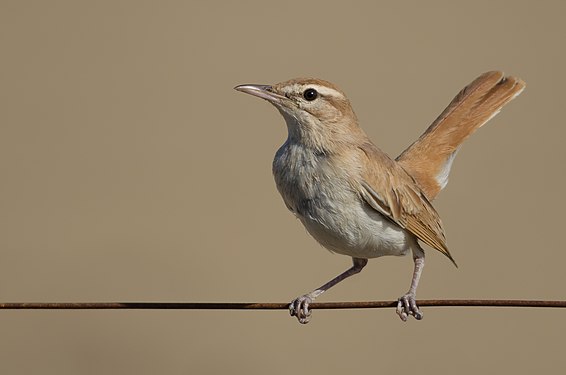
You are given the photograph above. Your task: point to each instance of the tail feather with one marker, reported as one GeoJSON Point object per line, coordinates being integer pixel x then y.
{"type": "Point", "coordinates": [429, 158]}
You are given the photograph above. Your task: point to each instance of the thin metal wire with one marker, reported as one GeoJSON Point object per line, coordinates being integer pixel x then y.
{"type": "Point", "coordinates": [269, 306]}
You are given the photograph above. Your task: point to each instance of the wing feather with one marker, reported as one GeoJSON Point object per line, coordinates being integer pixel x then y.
{"type": "Point", "coordinates": [388, 189]}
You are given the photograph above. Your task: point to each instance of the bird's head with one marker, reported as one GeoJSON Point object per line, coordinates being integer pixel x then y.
{"type": "Point", "coordinates": [317, 113]}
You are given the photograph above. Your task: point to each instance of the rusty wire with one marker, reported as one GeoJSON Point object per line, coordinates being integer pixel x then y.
{"type": "Point", "coordinates": [268, 305]}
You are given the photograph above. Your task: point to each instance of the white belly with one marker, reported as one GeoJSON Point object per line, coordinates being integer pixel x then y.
{"type": "Point", "coordinates": [358, 232]}
{"type": "Point", "coordinates": [331, 211]}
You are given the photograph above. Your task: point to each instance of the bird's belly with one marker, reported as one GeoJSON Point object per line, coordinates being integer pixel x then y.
{"type": "Point", "coordinates": [356, 230]}
{"type": "Point", "coordinates": [322, 197]}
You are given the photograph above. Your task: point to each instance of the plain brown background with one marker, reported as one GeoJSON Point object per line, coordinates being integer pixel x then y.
{"type": "Point", "coordinates": [132, 171]}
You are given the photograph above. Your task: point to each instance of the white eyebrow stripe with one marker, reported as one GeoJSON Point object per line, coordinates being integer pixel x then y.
{"type": "Point", "coordinates": [323, 90]}
{"type": "Point", "coordinates": [326, 91]}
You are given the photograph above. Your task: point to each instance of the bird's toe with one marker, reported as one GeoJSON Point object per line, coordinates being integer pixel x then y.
{"type": "Point", "coordinates": [407, 305]}
{"type": "Point", "coordinates": [299, 307]}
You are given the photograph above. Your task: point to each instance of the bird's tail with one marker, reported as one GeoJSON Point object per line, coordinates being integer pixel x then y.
{"type": "Point", "coordinates": [429, 158]}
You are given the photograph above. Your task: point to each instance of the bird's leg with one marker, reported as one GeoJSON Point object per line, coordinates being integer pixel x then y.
{"type": "Point", "coordinates": [299, 307]}
{"type": "Point", "coordinates": [407, 305]}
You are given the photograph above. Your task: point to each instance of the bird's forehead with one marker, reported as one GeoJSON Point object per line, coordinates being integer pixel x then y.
{"type": "Point", "coordinates": [325, 88]}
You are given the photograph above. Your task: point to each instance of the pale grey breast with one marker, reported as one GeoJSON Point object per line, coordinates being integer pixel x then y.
{"type": "Point", "coordinates": [331, 211]}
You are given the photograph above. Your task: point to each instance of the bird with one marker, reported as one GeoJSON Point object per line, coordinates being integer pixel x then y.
{"type": "Point", "coordinates": [352, 197]}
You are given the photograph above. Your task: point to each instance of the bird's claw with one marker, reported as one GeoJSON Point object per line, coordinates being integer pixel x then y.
{"type": "Point", "coordinates": [299, 307]}
{"type": "Point", "coordinates": [407, 305]}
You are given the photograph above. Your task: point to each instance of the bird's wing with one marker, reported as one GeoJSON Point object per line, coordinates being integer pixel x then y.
{"type": "Point", "coordinates": [388, 189]}
{"type": "Point", "coordinates": [429, 158]}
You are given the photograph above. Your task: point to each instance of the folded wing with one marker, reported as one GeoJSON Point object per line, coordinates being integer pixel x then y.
{"type": "Point", "coordinates": [388, 189]}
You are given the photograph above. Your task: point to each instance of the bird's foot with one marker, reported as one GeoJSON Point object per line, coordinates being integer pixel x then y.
{"type": "Point", "coordinates": [299, 307]}
{"type": "Point", "coordinates": [407, 305]}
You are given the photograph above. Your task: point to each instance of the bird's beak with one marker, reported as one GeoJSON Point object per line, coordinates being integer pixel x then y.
{"type": "Point", "coordinates": [262, 91]}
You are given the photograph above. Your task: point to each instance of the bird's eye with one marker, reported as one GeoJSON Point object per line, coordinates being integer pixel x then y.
{"type": "Point", "coordinates": [310, 94]}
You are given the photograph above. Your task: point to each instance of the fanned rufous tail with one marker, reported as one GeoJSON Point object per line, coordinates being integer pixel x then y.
{"type": "Point", "coordinates": [430, 157]}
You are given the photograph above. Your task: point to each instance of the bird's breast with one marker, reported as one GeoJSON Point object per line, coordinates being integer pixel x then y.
{"type": "Point", "coordinates": [322, 196]}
